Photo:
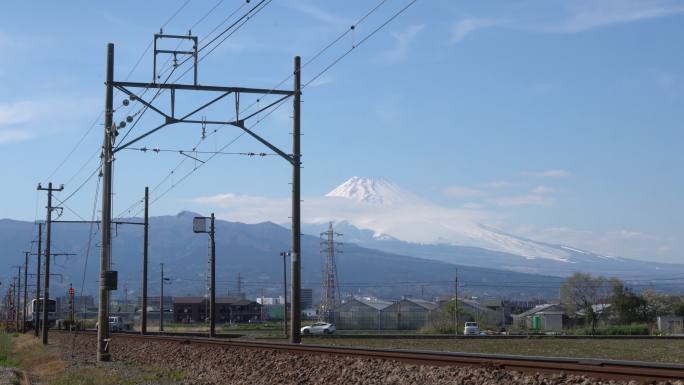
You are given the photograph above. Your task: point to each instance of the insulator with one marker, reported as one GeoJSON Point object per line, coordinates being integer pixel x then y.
{"type": "Point", "coordinates": [125, 102]}
{"type": "Point", "coordinates": [131, 96]}
{"type": "Point", "coordinates": [122, 124]}
{"type": "Point", "coordinates": [129, 119]}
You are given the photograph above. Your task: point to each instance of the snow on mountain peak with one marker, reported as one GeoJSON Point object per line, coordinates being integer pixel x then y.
{"type": "Point", "coordinates": [375, 190]}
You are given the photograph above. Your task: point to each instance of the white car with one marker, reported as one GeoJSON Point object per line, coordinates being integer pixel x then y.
{"type": "Point", "coordinates": [319, 328]}
{"type": "Point", "coordinates": [471, 329]}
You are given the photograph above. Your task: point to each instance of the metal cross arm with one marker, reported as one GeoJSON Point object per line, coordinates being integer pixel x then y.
{"type": "Point", "coordinates": [142, 101]}
{"type": "Point", "coordinates": [190, 87]}
{"type": "Point", "coordinates": [266, 143]}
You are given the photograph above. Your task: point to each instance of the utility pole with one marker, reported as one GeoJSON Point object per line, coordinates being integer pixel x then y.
{"type": "Point", "coordinates": [143, 311]}
{"type": "Point", "coordinates": [456, 303]}
{"type": "Point", "coordinates": [71, 306]}
{"type": "Point", "coordinates": [212, 294]}
{"type": "Point", "coordinates": [23, 310]}
{"type": "Point", "coordinates": [105, 229]}
{"type": "Point", "coordinates": [36, 313]}
{"type": "Point", "coordinates": [18, 302]}
{"type": "Point", "coordinates": [12, 300]}
{"type": "Point", "coordinates": [284, 254]}
{"type": "Point", "coordinates": [295, 336]}
{"type": "Point", "coordinates": [48, 234]}
{"type": "Point", "coordinates": [161, 300]}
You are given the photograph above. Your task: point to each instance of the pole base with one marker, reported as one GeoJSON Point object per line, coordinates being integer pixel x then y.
{"type": "Point", "coordinates": [104, 357]}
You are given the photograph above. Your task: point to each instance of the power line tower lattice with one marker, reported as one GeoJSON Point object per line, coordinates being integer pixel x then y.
{"type": "Point", "coordinates": [330, 291]}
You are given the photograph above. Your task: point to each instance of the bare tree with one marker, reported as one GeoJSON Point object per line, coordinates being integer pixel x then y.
{"type": "Point", "coordinates": [580, 294]}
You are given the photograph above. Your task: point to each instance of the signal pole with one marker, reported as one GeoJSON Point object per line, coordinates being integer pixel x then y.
{"type": "Point", "coordinates": [36, 313]}
{"type": "Point", "coordinates": [295, 336]}
{"type": "Point", "coordinates": [143, 311]}
{"type": "Point", "coordinates": [48, 233]}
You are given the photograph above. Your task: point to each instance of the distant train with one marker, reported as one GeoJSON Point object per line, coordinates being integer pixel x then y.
{"type": "Point", "coordinates": [35, 306]}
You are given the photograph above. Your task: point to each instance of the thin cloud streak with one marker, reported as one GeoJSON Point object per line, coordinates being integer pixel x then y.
{"type": "Point", "coordinates": [404, 39]}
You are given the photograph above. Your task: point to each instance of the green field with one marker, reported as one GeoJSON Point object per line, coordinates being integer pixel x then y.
{"type": "Point", "coordinates": [652, 350]}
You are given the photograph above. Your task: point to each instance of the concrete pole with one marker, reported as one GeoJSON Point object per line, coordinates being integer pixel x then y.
{"type": "Point", "coordinates": [36, 313]}
{"type": "Point", "coordinates": [143, 311]}
{"type": "Point", "coordinates": [106, 244]}
{"type": "Point", "coordinates": [295, 336]}
{"type": "Point", "coordinates": [212, 294]}
{"type": "Point", "coordinates": [23, 310]}
{"type": "Point", "coordinates": [161, 300]}
{"type": "Point", "coordinates": [46, 288]}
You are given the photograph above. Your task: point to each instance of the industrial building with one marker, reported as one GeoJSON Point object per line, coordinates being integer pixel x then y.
{"type": "Point", "coordinates": [228, 309]}
{"type": "Point", "coordinates": [546, 317]}
{"type": "Point", "coordinates": [360, 314]}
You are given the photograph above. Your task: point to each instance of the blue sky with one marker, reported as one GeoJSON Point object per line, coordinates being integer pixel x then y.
{"type": "Point", "coordinates": [561, 120]}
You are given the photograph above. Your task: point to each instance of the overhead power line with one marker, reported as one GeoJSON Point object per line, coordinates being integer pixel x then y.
{"type": "Point", "coordinates": [327, 68]}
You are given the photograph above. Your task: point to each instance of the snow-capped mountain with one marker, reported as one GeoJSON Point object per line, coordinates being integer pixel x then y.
{"type": "Point", "coordinates": [402, 222]}
{"type": "Point", "coordinates": [375, 190]}
{"type": "Point", "coordinates": [391, 211]}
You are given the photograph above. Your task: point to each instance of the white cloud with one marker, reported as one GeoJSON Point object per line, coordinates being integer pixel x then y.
{"type": "Point", "coordinates": [624, 242]}
{"type": "Point", "coordinates": [587, 15]}
{"type": "Point", "coordinates": [464, 27]}
{"type": "Point", "coordinates": [462, 192]}
{"type": "Point", "coordinates": [321, 81]}
{"type": "Point", "coordinates": [524, 200]}
{"type": "Point", "coordinates": [319, 13]}
{"type": "Point", "coordinates": [547, 173]}
{"type": "Point", "coordinates": [542, 190]}
{"type": "Point", "coordinates": [419, 222]}
{"type": "Point", "coordinates": [473, 206]}
{"type": "Point", "coordinates": [497, 184]}
{"type": "Point", "coordinates": [403, 42]}
{"type": "Point", "coordinates": [17, 113]}
{"type": "Point", "coordinates": [13, 136]}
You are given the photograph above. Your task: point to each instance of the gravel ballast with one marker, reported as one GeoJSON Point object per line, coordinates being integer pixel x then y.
{"type": "Point", "coordinates": [214, 364]}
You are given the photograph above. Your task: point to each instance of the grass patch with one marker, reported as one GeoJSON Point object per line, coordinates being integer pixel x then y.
{"type": "Point", "coordinates": [6, 358]}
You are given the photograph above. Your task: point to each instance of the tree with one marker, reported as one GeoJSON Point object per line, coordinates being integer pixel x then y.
{"type": "Point", "coordinates": [628, 306]}
{"type": "Point", "coordinates": [581, 292]}
{"type": "Point", "coordinates": [658, 304]}
{"type": "Point", "coordinates": [678, 308]}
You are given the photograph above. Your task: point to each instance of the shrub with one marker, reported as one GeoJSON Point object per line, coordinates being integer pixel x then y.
{"type": "Point", "coordinates": [619, 330]}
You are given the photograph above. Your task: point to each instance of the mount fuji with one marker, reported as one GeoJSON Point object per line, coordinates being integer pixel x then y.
{"type": "Point", "coordinates": [376, 213]}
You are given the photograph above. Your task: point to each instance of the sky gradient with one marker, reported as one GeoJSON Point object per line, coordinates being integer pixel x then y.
{"type": "Point", "coordinates": [556, 120]}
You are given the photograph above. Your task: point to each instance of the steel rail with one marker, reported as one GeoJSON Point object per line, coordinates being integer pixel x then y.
{"type": "Point", "coordinates": [596, 368]}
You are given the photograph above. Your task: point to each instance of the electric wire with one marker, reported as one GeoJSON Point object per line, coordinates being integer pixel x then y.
{"type": "Point", "coordinates": [99, 116]}
{"type": "Point", "coordinates": [327, 68]}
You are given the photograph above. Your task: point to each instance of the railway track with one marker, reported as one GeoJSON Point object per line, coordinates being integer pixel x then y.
{"type": "Point", "coordinates": [596, 368]}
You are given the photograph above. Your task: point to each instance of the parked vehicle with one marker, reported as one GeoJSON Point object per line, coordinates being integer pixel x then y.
{"type": "Point", "coordinates": [471, 329]}
{"type": "Point", "coordinates": [117, 323]}
{"type": "Point", "coordinates": [319, 328]}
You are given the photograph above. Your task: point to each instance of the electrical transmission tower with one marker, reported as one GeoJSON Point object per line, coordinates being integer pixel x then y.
{"type": "Point", "coordinates": [330, 291]}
